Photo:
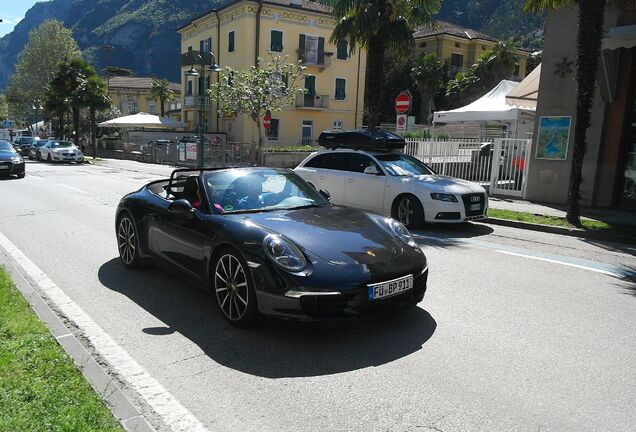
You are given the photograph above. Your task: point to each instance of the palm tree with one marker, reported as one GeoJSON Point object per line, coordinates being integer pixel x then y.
{"type": "Point", "coordinates": [378, 25]}
{"type": "Point", "coordinates": [591, 16]}
{"type": "Point", "coordinates": [428, 75]}
{"type": "Point", "coordinates": [95, 97]}
{"type": "Point", "coordinates": [162, 92]}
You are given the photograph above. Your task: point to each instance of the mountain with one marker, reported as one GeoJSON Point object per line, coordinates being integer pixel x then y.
{"type": "Point", "coordinates": [144, 37]}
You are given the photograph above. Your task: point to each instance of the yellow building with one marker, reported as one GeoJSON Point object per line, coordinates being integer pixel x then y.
{"type": "Point", "coordinates": [298, 29]}
{"type": "Point", "coordinates": [460, 47]}
{"type": "Point", "coordinates": [132, 95]}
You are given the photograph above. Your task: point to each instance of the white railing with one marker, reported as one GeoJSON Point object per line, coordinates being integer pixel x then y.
{"type": "Point", "coordinates": [500, 165]}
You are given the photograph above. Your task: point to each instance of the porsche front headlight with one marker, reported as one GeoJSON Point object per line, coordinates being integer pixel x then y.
{"type": "Point", "coordinates": [284, 253]}
{"type": "Point", "coordinates": [401, 232]}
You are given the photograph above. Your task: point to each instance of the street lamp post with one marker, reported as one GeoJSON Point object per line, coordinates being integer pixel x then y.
{"type": "Point", "coordinates": [213, 67]}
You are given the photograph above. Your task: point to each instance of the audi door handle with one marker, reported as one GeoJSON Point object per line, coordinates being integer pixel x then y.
{"type": "Point", "coordinates": [349, 180]}
{"type": "Point", "coordinates": [322, 177]}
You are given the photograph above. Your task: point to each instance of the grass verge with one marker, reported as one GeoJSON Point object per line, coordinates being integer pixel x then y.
{"type": "Point", "coordinates": [40, 387]}
{"type": "Point", "coordinates": [588, 225]}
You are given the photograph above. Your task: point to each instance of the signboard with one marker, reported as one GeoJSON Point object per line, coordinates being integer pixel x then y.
{"type": "Point", "coordinates": [400, 123]}
{"type": "Point", "coordinates": [267, 120]}
{"type": "Point", "coordinates": [403, 102]}
{"type": "Point", "coordinates": [191, 151]}
{"type": "Point", "coordinates": [8, 124]}
{"type": "Point", "coordinates": [553, 137]}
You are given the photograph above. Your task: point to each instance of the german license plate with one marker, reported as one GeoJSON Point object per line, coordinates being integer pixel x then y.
{"type": "Point", "coordinates": [4, 167]}
{"type": "Point", "coordinates": [475, 207]}
{"type": "Point", "coordinates": [390, 288]}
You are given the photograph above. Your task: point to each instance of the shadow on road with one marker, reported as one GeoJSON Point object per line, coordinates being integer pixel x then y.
{"type": "Point", "coordinates": [272, 348]}
{"type": "Point", "coordinates": [449, 236]}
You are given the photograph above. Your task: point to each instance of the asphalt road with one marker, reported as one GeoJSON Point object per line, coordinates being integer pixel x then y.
{"type": "Point", "coordinates": [518, 331]}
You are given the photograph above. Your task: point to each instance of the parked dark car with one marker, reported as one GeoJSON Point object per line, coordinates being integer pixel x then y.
{"type": "Point", "coordinates": [11, 162]}
{"type": "Point", "coordinates": [33, 150]}
{"type": "Point", "coordinates": [25, 143]}
{"type": "Point", "coordinates": [263, 240]}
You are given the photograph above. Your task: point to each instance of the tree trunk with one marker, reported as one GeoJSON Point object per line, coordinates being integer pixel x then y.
{"type": "Point", "coordinates": [258, 32]}
{"type": "Point", "coordinates": [591, 16]}
{"type": "Point", "coordinates": [60, 125]}
{"type": "Point", "coordinates": [375, 80]}
{"type": "Point", "coordinates": [163, 110]}
{"type": "Point", "coordinates": [76, 122]}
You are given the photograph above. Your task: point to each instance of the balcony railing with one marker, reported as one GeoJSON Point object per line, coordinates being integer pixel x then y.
{"type": "Point", "coordinates": [195, 102]}
{"type": "Point", "coordinates": [315, 57]}
{"type": "Point", "coordinates": [192, 58]}
{"type": "Point", "coordinates": [312, 101]}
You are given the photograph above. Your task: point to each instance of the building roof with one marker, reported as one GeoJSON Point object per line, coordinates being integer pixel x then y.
{"type": "Point", "coordinates": [306, 5]}
{"type": "Point", "coordinates": [140, 83]}
{"type": "Point", "coordinates": [446, 28]}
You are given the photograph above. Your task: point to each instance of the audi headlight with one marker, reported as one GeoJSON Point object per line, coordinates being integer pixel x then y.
{"type": "Point", "coordinates": [401, 232]}
{"type": "Point", "coordinates": [284, 253]}
{"type": "Point", "coordinates": [16, 159]}
{"type": "Point", "coordinates": [444, 197]}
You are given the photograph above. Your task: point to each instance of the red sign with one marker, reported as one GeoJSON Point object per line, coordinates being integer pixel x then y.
{"type": "Point", "coordinates": [266, 121]}
{"type": "Point", "coordinates": [403, 103]}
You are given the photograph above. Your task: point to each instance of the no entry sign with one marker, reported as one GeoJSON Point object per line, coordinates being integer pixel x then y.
{"type": "Point", "coordinates": [267, 120]}
{"type": "Point", "coordinates": [403, 102]}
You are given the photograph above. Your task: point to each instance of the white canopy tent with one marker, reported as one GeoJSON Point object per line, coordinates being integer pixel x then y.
{"type": "Point", "coordinates": [143, 120]}
{"type": "Point", "coordinates": [492, 107]}
{"type": "Point", "coordinates": [527, 92]}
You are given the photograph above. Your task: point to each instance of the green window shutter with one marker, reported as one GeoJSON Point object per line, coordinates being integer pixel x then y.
{"type": "Point", "coordinates": [310, 85]}
{"type": "Point", "coordinates": [321, 50]}
{"type": "Point", "coordinates": [230, 42]}
{"type": "Point", "coordinates": [340, 89]}
{"type": "Point", "coordinates": [302, 56]}
{"type": "Point", "coordinates": [343, 53]}
{"type": "Point", "coordinates": [277, 41]}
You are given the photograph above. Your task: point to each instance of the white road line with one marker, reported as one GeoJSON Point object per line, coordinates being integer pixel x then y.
{"type": "Point", "coordinates": [166, 406]}
{"type": "Point", "coordinates": [35, 177]}
{"type": "Point", "coordinates": [72, 188]}
{"type": "Point", "coordinates": [565, 263]}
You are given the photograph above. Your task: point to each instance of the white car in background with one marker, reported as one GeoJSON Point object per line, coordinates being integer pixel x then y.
{"type": "Point", "coordinates": [59, 151]}
{"type": "Point", "coordinates": [393, 184]}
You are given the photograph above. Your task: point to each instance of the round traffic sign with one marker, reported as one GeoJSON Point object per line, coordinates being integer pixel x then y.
{"type": "Point", "coordinates": [401, 121]}
{"type": "Point", "coordinates": [403, 103]}
{"type": "Point", "coordinates": [267, 119]}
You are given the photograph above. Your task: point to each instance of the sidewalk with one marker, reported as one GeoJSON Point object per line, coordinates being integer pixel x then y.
{"type": "Point", "coordinates": [607, 215]}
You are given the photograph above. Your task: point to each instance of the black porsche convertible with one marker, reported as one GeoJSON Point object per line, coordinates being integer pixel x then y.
{"type": "Point", "coordinates": [263, 240]}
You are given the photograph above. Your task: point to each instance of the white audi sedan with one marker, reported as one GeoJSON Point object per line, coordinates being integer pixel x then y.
{"type": "Point", "coordinates": [393, 184]}
{"type": "Point", "coordinates": [59, 151]}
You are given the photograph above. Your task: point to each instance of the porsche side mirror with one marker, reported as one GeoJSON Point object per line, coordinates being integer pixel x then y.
{"type": "Point", "coordinates": [181, 207]}
{"type": "Point", "coordinates": [326, 195]}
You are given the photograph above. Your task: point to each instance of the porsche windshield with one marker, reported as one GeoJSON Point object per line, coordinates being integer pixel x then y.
{"type": "Point", "coordinates": [260, 189]}
{"type": "Point", "coordinates": [403, 165]}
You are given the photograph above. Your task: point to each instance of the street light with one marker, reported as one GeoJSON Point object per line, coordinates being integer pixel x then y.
{"type": "Point", "coordinates": [193, 73]}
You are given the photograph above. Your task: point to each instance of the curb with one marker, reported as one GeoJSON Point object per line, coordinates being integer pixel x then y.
{"type": "Point", "coordinates": [124, 411]}
{"type": "Point", "coordinates": [572, 232]}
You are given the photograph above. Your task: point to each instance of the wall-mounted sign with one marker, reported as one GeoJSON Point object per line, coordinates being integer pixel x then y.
{"type": "Point", "coordinates": [553, 137]}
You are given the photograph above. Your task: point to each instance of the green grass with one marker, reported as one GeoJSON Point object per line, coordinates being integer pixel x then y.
{"type": "Point", "coordinates": [588, 225]}
{"type": "Point", "coordinates": [40, 387]}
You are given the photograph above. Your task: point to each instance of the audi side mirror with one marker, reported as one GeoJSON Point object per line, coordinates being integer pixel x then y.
{"type": "Point", "coordinates": [326, 195]}
{"type": "Point", "coordinates": [371, 170]}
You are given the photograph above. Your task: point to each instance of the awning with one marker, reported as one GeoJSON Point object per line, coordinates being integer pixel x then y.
{"type": "Point", "coordinates": [620, 37]}
{"type": "Point", "coordinates": [143, 120]}
{"type": "Point", "coordinates": [527, 91]}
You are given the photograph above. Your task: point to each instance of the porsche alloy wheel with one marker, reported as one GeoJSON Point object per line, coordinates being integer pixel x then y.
{"type": "Point", "coordinates": [232, 289]}
{"type": "Point", "coordinates": [127, 242]}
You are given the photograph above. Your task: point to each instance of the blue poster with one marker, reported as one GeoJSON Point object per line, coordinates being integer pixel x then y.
{"type": "Point", "coordinates": [554, 136]}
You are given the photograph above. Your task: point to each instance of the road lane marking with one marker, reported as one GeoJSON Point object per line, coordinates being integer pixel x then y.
{"type": "Point", "coordinates": [35, 177]}
{"type": "Point", "coordinates": [565, 263]}
{"type": "Point", "coordinates": [163, 403]}
{"type": "Point", "coordinates": [72, 188]}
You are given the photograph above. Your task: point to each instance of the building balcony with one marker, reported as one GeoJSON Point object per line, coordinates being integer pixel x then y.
{"type": "Point", "coordinates": [312, 57]}
{"type": "Point", "coordinates": [312, 101]}
{"type": "Point", "coordinates": [194, 102]}
{"type": "Point", "coordinates": [192, 58]}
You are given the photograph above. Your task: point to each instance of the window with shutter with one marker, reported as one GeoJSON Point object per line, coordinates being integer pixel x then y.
{"type": "Point", "coordinates": [276, 41]}
{"type": "Point", "coordinates": [343, 52]}
{"type": "Point", "coordinates": [340, 89]}
{"type": "Point", "coordinates": [230, 41]}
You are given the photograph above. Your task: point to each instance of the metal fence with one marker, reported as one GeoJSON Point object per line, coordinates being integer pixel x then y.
{"type": "Point", "coordinates": [500, 165]}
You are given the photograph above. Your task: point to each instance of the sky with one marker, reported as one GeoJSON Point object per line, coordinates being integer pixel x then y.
{"type": "Point", "coordinates": [11, 12]}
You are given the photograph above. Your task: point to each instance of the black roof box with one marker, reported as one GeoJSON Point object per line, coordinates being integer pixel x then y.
{"type": "Point", "coordinates": [362, 139]}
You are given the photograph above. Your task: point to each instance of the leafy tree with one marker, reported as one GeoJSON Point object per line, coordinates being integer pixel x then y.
{"type": "Point", "coordinates": [378, 26]}
{"type": "Point", "coordinates": [271, 87]}
{"type": "Point", "coordinates": [94, 95]}
{"type": "Point", "coordinates": [591, 14]}
{"type": "Point", "coordinates": [4, 112]}
{"type": "Point", "coordinates": [495, 64]}
{"type": "Point", "coordinates": [48, 44]}
{"type": "Point", "coordinates": [162, 92]}
{"type": "Point", "coordinates": [429, 74]}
